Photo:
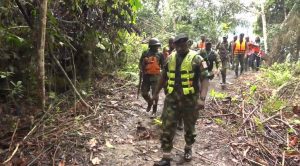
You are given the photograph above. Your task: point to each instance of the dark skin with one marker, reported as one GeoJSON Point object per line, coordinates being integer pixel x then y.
{"type": "Point", "coordinates": [182, 49]}
{"type": "Point", "coordinates": [171, 44]}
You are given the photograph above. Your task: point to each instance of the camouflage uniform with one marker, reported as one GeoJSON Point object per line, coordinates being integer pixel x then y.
{"type": "Point", "coordinates": [210, 57]}
{"type": "Point", "coordinates": [179, 106]}
{"type": "Point", "coordinates": [150, 80]}
{"type": "Point", "coordinates": [223, 49]}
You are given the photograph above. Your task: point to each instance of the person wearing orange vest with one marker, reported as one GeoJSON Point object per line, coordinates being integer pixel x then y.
{"type": "Point", "coordinates": [202, 43]}
{"type": "Point", "coordinates": [238, 51]}
{"type": "Point", "coordinates": [255, 55]}
{"type": "Point", "coordinates": [150, 65]}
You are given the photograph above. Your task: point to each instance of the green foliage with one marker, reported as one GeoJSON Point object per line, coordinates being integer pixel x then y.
{"type": "Point", "coordinates": [219, 121]}
{"type": "Point", "coordinates": [217, 95]}
{"type": "Point", "coordinates": [273, 105]}
{"type": "Point", "coordinates": [258, 124]}
{"type": "Point", "coordinates": [278, 74]}
{"type": "Point", "coordinates": [253, 89]}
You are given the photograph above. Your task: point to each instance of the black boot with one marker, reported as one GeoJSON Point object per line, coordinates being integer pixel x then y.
{"type": "Point", "coordinates": [163, 162]}
{"type": "Point", "coordinates": [180, 125]}
{"type": "Point", "coordinates": [187, 154]}
{"type": "Point", "coordinates": [154, 109]}
{"type": "Point", "coordinates": [150, 102]}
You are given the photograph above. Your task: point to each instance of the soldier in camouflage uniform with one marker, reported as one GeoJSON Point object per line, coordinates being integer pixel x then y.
{"type": "Point", "coordinates": [150, 65]}
{"type": "Point", "coordinates": [211, 57]}
{"type": "Point", "coordinates": [223, 49]}
{"type": "Point", "coordinates": [182, 73]}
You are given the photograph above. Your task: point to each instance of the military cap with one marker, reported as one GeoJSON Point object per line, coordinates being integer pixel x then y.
{"type": "Point", "coordinates": [181, 36]}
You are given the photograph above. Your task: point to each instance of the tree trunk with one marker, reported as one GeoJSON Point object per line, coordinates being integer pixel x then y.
{"type": "Point", "coordinates": [264, 25]}
{"type": "Point", "coordinates": [41, 53]}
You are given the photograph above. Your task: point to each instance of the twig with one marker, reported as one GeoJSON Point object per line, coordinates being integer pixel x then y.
{"type": "Point", "coordinates": [270, 153]}
{"type": "Point", "coordinates": [287, 124]}
{"type": "Point", "coordinates": [12, 155]}
{"type": "Point", "coordinates": [206, 159]}
{"type": "Point", "coordinates": [38, 156]}
{"type": "Point", "coordinates": [269, 118]}
{"type": "Point", "coordinates": [12, 137]}
{"type": "Point", "coordinates": [213, 116]}
{"type": "Point", "coordinates": [245, 120]}
{"type": "Point", "coordinates": [70, 82]}
{"type": "Point", "coordinates": [252, 161]}
{"type": "Point", "coordinates": [53, 159]}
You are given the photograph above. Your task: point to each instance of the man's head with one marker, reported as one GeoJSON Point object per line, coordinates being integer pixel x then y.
{"type": "Point", "coordinates": [208, 45]}
{"type": "Point", "coordinates": [235, 38]}
{"type": "Point", "coordinates": [242, 36]}
{"type": "Point", "coordinates": [247, 38]}
{"type": "Point", "coordinates": [202, 37]}
{"type": "Point", "coordinates": [257, 39]}
{"type": "Point", "coordinates": [181, 43]}
{"type": "Point", "coordinates": [171, 43]}
{"type": "Point", "coordinates": [154, 44]}
{"type": "Point", "coordinates": [224, 38]}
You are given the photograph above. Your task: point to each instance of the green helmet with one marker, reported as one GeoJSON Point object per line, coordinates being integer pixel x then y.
{"type": "Point", "coordinates": [154, 42]}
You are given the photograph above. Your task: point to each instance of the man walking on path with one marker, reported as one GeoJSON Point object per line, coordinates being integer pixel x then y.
{"type": "Point", "coordinates": [150, 65]}
{"type": "Point", "coordinates": [182, 73]}
{"type": "Point", "coordinates": [239, 50]}
{"type": "Point", "coordinates": [231, 57]}
{"type": "Point", "coordinates": [223, 49]}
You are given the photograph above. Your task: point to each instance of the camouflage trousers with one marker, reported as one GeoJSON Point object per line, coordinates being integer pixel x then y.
{"type": "Point", "coordinates": [223, 70]}
{"type": "Point", "coordinates": [149, 84]}
{"type": "Point", "coordinates": [176, 108]}
{"type": "Point", "coordinates": [239, 60]}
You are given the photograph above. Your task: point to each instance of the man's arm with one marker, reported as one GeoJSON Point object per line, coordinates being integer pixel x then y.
{"type": "Point", "coordinates": [161, 83]}
{"type": "Point", "coordinates": [141, 63]}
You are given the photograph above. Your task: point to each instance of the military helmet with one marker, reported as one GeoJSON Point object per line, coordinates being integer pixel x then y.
{"type": "Point", "coordinates": [154, 42]}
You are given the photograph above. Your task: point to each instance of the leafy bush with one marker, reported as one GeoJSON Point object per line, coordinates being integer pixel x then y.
{"type": "Point", "coordinates": [278, 74]}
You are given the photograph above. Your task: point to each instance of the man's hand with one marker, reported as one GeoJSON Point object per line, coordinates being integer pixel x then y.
{"type": "Point", "coordinates": [200, 104]}
{"type": "Point", "coordinates": [217, 72]}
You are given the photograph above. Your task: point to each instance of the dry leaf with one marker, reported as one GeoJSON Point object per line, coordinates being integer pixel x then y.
{"type": "Point", "coordinates": [293, 141]}
{"type": "Point", "coordinates": [95, 161]}
{"type": "Point", "coordinates": [92, 142]}
{"type": "Point", "coordinates": [108, 144]}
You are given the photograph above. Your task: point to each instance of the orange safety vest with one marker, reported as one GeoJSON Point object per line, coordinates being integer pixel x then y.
{"type": "Point", "coordinates": [240, 48]}
{"type": "Point", "coordinates": [152, 65]}
{"type": "Point", "coordinates": [201, 44]}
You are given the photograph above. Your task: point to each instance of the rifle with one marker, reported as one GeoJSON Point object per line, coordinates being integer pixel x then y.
{"type": "Point", "coordinates": [139, 86]}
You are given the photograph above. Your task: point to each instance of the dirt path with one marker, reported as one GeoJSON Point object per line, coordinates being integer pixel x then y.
{"type": "Point", "coordinates": [135, 139]}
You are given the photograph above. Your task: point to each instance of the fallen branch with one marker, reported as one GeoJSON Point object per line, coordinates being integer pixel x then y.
{"type": "Point", "coordinates": [219, 115]}
{"type": "Point", "coordinates": [287, 124]}
{"type": "Point", "coordinates": [70, 82]}
{"type": "Point", "coordinates": [12, 155]}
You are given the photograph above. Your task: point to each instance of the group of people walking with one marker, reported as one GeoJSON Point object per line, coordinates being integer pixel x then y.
{"type": "Point", "coordinates": [184, 73]}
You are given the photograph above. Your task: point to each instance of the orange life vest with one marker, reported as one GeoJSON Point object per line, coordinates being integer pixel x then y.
{"type": "Point", "coordinates": [240, 48]}
{"type": "Point", "coordinates": [151, 65]}
{"type": "Point", "coordinates": [201, 44]}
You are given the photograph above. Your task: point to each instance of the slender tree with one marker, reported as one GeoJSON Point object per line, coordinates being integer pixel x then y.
{"type": "Point", "coordinates": [41, 52]}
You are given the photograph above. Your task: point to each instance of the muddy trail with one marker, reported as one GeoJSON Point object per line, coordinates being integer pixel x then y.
{"type": "Point", "coordinates": [120, 132]}
{"type": "Point", "coordinates": [134, 137]}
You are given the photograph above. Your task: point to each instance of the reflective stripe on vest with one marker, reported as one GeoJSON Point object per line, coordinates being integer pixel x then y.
{"type": "Point", "coordinates": [240, 48]}
{"type": "Point", "coordinates": [186, 73]}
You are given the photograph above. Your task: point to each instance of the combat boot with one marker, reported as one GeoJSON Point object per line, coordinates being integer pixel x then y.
{"type": "Point", "coordinates": [150, 102]}
{"type": "Point", "coordinates": [180, 125]}
{"type": "Point", "coordinates": [163, 162]}
{"type": "Point", "coordinates": [187, 154]}
{"type": "Point", "coordinates": [154, 109]}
